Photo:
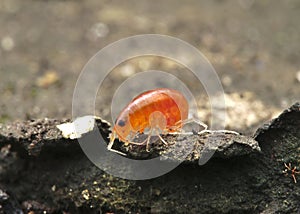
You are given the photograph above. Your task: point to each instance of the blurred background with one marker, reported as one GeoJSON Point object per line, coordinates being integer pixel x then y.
{"type": "Point", "coordinates": [253, 45]}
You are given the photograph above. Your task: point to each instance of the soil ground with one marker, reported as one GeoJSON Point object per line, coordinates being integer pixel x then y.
{"type": "Point", "coordinates": [253, 46]}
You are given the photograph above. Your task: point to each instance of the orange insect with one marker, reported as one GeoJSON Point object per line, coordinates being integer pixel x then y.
{"type": "Point", "coordinates": [161, 109]}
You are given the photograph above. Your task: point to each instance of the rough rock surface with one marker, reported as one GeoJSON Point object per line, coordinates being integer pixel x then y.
{"type": "Point", "coordinates": [46, 172]}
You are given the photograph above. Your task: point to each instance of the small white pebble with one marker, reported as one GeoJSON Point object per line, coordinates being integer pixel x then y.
{"type": "Point", "coordinates": [226, 80]}
{"type": "Point", "coordinates": [98, 30]}
{"type": "Point", "coordinates": [79, 127]}
{"type": "Point", "coordinates": [85, 194]}
{"type": "Point", "coordinates": [7, 43]}
{"type": "Point", "coordinates": [298, 76]}
{"type": "Point", "coordinates": [284, 103]}
{"type": "Point", "coordinates": [127, 70]}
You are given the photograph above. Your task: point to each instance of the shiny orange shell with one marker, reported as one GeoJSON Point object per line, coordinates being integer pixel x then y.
{"type": "Point", "coordinates": [146, 110]}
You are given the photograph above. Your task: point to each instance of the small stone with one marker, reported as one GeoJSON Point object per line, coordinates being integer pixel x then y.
{"type": "Point", "coordinates": [80, 126]}
{"type": "Point", "coordinates": [298, 76]}
{"type": "Point", "coordinates": [49, 78]}
{"type": "Point", "coordinates": [127, 70]}
{"type": "Point", "coordinates": [156, 192]}
{"type": "Point", "coordinates": [7, 43]}
{"type": "Point", "coordinates": [85, 194]}
{"type": "Point", "coordinates": [98, 30]}
{"type": "Point", "coordinates": [226, 80]}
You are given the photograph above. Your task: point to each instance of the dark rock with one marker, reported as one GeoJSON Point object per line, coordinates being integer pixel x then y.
{"type": "Point", "coordinates": [8, 204]}
{"type": "Point", "coordinates": [239, 178]}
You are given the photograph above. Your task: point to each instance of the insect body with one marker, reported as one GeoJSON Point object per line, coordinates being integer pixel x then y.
{"type": "Point", "coordinates": [160, 109]}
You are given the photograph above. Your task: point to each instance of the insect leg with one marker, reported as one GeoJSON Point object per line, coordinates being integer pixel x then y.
{"type": "Point", "coordinates": [199, 122]}
{"type": "Point", "coordinates": [160, 137]}
{"type": "Point", "coordinates": [294, 177]}
{"type": "Point", "coordinates": [179, 125]}
{"type": "Point", "coordinates": [111, 143]}
{"type": "Point", "coordinates": [148, 139]}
